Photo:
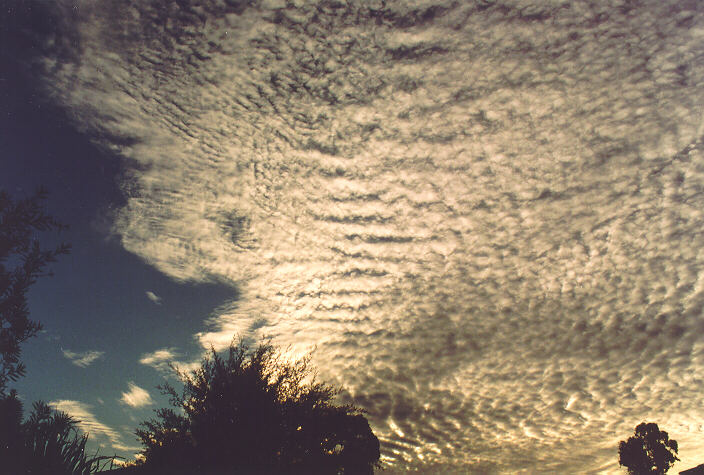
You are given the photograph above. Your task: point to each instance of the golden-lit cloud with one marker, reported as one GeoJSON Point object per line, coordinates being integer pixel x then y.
{"type": "Point", "coordinates": [484, 215]}
{"type": "Point", "coordinates": [136, 396]}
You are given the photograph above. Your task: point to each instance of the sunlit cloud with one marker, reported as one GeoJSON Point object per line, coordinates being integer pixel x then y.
{"type": "Point", "coordinates": [136, 396]}
{"type": "Point", "coordinates": [122, 463]}
{"type": "Point", "coordinates": [89, 424]}
{"type": "Point", "coordinates": [485, 217]}
{"type": "Point", "coordinates": [82, 359]}
{"type": "Point", "coordinates": [158, 356]}
{"type": "Point", "coordinates": [166, 360]}
{"type": "Point", "coordinates": [161, 360]}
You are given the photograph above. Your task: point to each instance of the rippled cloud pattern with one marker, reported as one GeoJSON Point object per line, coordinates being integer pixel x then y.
{"type": "Point", "coordinates": [486, 215]}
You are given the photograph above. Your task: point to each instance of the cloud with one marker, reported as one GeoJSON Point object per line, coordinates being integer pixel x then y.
{"type": "Point", "coordinates": [158, 356]}
{"type": "Point", "coordinates": [136, 396]}
{"type": "Point", "coordinates": [487, 218]}
{"type": "Point", "coordinates": [166, 359]}
{"type": "Point", "coordinates": [153, 297]}
{"type": "Point", "coordinates": [160, 359]}
{"type": "Point", "coordinates": [99, 433]}
{"type": "Point", "coordinates": [83, 359]}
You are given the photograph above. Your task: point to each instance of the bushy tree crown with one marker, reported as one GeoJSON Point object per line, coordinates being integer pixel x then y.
{"type": "Point", "coordinates": [253, 412]}
{"type": "Point", "coordinates": [648, 451]}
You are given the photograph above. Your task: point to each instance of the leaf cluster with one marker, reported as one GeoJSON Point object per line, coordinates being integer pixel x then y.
{"type": "Point", "coordinates": [253, 412]}
{"type": "Point", "coordinates": [22, 262]}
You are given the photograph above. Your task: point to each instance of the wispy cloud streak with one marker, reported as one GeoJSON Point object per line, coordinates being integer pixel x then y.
{"type": "Point", "coordinates": [153, 297]}
{"type": "Point", "coordinates": [82, 359]}
{"type": "Point", "coordinates": [89, 424]}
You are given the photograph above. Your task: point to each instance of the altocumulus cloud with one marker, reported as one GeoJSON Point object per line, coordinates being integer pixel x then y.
{"type": "Point", "coordinates": [136, 396]}
{"type": "Point", "coordinates": [83, 359]}
{"type": "Point", "coordinates": [487, 215]}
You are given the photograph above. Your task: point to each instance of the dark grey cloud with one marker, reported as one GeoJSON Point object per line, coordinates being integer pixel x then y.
{"type": "Point", "coordinates": [485, 215]}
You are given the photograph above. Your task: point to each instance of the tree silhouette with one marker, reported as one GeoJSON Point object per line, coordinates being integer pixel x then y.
{"type": "Point", "coordinates": [253, 412]}
{"type": "Point", "coordinates": [22, 261]}
{"type": "Point", "coordinates": [648, 451]}
{"type": "Point", "coordinates": [49, 441]}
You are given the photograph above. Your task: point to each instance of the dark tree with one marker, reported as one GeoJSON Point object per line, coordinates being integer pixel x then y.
{"type": "Point", "coordinates": [22, 261]}
{"type": "Point", "coordinates": [648, 451]}
{"type": "Point", "coordinates": [253, 412]}
{"type": "Point", "coordinates": [10, 428]}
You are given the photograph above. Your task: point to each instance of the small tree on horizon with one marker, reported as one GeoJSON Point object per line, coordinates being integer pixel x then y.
{"type": "Point", "coordinates": [253, 412]}
{"type": "Point", "coordinates": [648, 451]}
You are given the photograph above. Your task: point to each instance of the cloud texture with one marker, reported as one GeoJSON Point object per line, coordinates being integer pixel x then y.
{"type": "Point", "coordinates": [83, 359]}
{"type": "Point", "coordinates": [136, 396]}
{"type": "Point", "coordinates": [89, 424]}
{"type": "Point", "coordinates": [486, 215]}
{"type": "Point", "coordinates": [153, 297]}
{"type": "Point", "coordinates": [165, 360]}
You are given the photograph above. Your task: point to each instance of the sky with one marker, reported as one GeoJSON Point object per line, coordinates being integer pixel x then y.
{"type": "Point", "coordinates": [483, 218]}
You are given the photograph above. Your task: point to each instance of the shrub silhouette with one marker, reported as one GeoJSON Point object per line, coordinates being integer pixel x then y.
{"type": "Point", "coordinates": [48, 442]}
{"type": "Point", "coordinates": [648, 451]}
{"type": "Point", "coordinates": [253, 412]}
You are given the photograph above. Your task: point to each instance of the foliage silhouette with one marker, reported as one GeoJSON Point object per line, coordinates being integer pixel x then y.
{"type": "Point", "coordinates": [48, 442]}
{"type": "Point", "coordinates": [22, 261]}
{"type": "Point", "coordinates": [648, 451]}
{"type": "Point", "coordinates": [253, 412]}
